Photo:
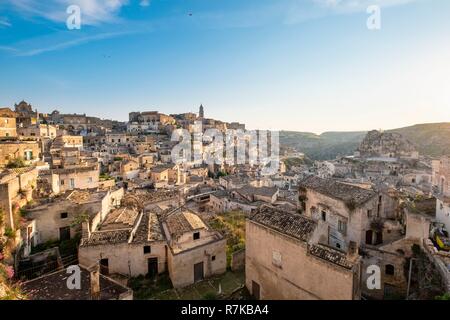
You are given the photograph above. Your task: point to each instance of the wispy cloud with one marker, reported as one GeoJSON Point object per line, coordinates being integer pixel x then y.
{"type": "Point", "coordinates": [4, 22]}
{"type": "Point", "coordinates": [68, 44]}
{"type": "Point", "coordinates": [357, 5]}
{"type": "Point", "coordinates": [93, 12]}
{"type": "Point", "coordinates": [8, 49]}
{"type": "Point", "coordinates": [105, 15]}
{"type": "Point", "coordinates": [301, 10]}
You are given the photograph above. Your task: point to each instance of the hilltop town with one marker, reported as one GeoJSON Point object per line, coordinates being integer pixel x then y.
{"type": "Point", "coordinates": [107, 197]}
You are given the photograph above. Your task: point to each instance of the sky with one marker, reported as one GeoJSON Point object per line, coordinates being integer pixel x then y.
{"type": "Point", "coordinates": [300, 65]}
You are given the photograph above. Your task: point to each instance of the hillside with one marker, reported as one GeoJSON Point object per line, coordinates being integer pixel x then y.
{"type": "Point", "coordinates": [328, 145]}
{"type": "Point", "coordinates": [431, 139]}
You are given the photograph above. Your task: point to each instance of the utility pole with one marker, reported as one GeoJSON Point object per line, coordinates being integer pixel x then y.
{"type": "Point", "coordinates": [409, 277]}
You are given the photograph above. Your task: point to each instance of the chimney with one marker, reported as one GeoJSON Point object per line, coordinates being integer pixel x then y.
{"type": "Point", "coordinates": [95, 282]}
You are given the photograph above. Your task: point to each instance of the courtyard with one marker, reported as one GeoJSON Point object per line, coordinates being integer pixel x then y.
{"type": "Point", "coordinates": [218, 287]}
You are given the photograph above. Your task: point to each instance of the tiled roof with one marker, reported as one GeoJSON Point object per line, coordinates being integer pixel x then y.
{"type": "Point", "coordinates": [261, 191]}
{"type": "Point", "coordinates": [291, 224]}
{"type": "Point", "coordinates": [182, 221]}
{"type": "Point", "coordinates": [53, 287]}
{"type": "Point", "coordinates": [221, 193]}
{"type": "Point", "coordinates": [149, 229]}
{"type": "Point", "coordinates": [337, 190]}
{"type": "Point", "coordinates": [120, 218]}
{"type": "Point", "coordinates": [108, 237]}
{"type": "Point", "coordinates": [161, 168]}
{"type": "Point", "coordinates": [148, 197]}
{"type": "Point", "coordinates": [85, 196]}
{"type": "Point", "coordinates": [330, 255]}
{"type": "Point", "coordinates": [7, 113]}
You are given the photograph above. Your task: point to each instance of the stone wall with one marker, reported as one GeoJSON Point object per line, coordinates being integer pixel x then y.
{"type": "Point", "coordinates": [8, 127]}
{"type": "Point", "coordinates": [15, 149]}
{"type": "Point", "coordinates": [124, 258]}
{"type": "Point", "coordinates": [238, 260]}
{"type": "Point", "coordinates": [297, 275]}
{"type": "Point", "coordinates": [181, 266]}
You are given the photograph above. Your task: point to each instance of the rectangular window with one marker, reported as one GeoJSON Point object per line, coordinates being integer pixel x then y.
{"type": "Point", "coordinates": [90, 180]}
{"type": "Point", "coordinates": [64, 215]}
{"type": "Point", "coordinates": [342, 227]}
{"type": "Point", "coordinates": [369, 213]}
{"type": "Point", "coordinates": [324, 216]}
{"type": "Point", "coordinates": [196, 235]}
{"type": "Point", "coordinates": [72, 183]}
{"type": "Point", "coordinates": [147, 249]}
{"type": "Point", "coordinates": [28, 155]}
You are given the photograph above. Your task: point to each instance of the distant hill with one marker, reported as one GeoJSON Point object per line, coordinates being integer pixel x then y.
{"type": "Point", "coordinates": [326, 146]}
{"type": "Point", "coordinates": [430, 139]}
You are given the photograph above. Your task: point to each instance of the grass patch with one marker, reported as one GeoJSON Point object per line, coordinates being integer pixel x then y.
{"type": "Point", "coordinates": [232, 226]}
{"type": "Point", "coordinates": [207, 289]}
{"type": "Point", "coordinates": [145, 288]}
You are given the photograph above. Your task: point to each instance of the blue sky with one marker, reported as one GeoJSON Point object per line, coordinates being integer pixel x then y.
{"type": "Point", "coordinates": [304, 65]}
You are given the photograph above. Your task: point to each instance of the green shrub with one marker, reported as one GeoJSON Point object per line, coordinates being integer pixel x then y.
{"type": "Point", "coordinates": [209, 296]}
{"type": "Point", "coordinates": [16, 163]}
{"type": "Point", "coordinates": [445, 296]}
{"type": "Point", "coordinates": [9, 233]}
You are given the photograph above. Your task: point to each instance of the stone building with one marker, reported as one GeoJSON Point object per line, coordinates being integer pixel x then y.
{"type": "Point", "coordinates": [16, 187]}
{"type": "Point", "coordinates": [441, 181]}
{"type": "Point", "coordinates": [353, 214]}
{"type": "Point", "coordinates": [77, 177]}
{"type": "Point", "coordinates": [253, 194]}
{"type": "Point", "coordinates": [233, 181]}
{"type": "Point", "coordinates": [148, 121]}
{"type": "Point", "coordinates": [60, 217]}
{"type": "Point", "coordinates": [285, 260]}
{"type": "Point", "coordinates": [29, 151]}
{"type": "Point", "coordinates": [195, 251]}
{"type": "Point", "coordinates": [38, 131]}
{"type": "Point", "coordinates": [164, 174]}
{"type": "Point", "coordinates": [25, 115]}
{"type": "Point", "coordinates": [68, 141]}
{"type": "Point", "coordinates": [7, 123]}
{"type": "Point", "coordinates": [126, 241]}
{"type": "Point", "coordinates": [129, 169]}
